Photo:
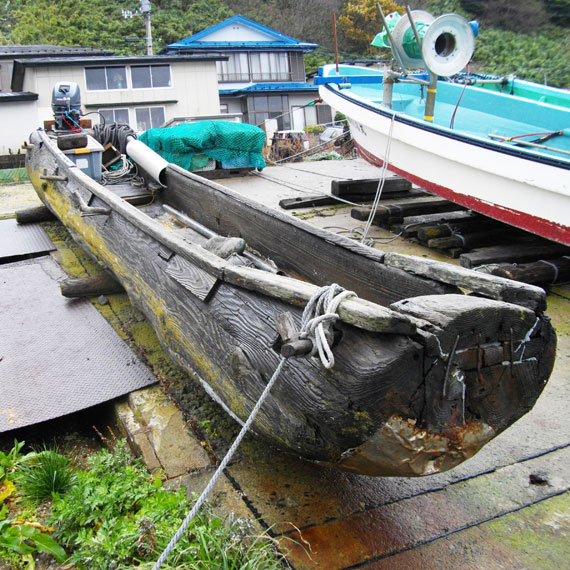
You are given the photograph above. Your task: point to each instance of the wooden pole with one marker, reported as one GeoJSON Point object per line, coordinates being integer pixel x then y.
{"type": "Point", "coordinates": [335, 41]}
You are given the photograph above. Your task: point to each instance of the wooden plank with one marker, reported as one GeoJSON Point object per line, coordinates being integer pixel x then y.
{"type": "Point", "coordinates": [196, 280]}
{"type": "Point", "coordinates": [516, 253]}
{"type": "Point", "coordinates": [13, 160]}
{"type": "Point", "coordinates": [481, 283]}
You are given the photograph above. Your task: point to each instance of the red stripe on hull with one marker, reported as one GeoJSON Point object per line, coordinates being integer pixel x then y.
{"type": "Point", "coordinates": [533, 224]}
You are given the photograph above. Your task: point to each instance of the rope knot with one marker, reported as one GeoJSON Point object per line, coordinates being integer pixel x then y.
{"type": "Point", "coordinates": [318, 318]}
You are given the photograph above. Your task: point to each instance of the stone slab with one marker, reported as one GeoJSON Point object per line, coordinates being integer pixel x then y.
{"type": "Point", "coordinates": [535, 537]}
{"type": "Point", "coordinates": [177, 451]}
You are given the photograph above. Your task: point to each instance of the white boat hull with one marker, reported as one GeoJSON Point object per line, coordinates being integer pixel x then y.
{"type": "Point", "coordinates": [525, 193]}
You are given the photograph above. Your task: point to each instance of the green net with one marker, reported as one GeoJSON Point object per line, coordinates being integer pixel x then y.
{"type": "Point", "coordinates": [191, 145]}
{"type": "Point", "coordinates": [13, 175]}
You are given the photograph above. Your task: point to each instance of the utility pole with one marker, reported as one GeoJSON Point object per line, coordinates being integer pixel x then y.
{"type": "Point", "coordinates": [146, 9]}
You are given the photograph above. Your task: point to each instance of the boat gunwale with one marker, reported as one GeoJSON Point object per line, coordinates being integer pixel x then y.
{"type": "Point", "coordinates": [487, 286]}
{"type": "Point", "coordinates": [473, 140]}
{"type": "Point", "coordinates": [355, 311]}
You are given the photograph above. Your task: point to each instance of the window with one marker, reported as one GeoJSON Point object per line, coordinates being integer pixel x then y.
{"type": "Point", "coordinates": [103, 78]}
{"type": "Point", "coordinates": [149, 118]}
{"type": "Point", "coordinates": [269, 107]}
{"type": "Point", "coordinates": [150, 76]}
{"type": "Point", "coordinates": [270, 66]}
{"type": "Point", "coordinates": [235, 69]}
{"type": "Point", "coordinates": [115, 115]}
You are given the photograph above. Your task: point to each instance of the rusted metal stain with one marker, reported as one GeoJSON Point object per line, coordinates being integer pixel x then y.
{"type": "Point", "coordinates": [401, 449]}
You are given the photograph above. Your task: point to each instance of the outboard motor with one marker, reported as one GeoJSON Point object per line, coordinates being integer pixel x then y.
{"type": "Point", "coordinates": [66, 106]}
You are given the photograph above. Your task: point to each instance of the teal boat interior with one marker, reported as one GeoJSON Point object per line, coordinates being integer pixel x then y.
{"type": "Point", "coordinates": [541, 129]}
{"type": "Point", "coordinates": [530, 90]}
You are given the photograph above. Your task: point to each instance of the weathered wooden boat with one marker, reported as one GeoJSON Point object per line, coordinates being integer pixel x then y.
{"type": "Point", "coordinates": [504, 155]}
{"type": "Point", "coordinates": [424, 374]}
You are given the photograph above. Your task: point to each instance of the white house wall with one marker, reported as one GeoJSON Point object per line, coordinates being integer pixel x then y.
{"type": "Point", "coordinates": [237, 33]}
{"type": "Point", "coordinates": [193, 91]}
{"type": "Point", "coordinates": [18, 120]}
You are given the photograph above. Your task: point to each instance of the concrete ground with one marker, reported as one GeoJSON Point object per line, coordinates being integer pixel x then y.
{"type": "Point", "coordinates": [508, 507]}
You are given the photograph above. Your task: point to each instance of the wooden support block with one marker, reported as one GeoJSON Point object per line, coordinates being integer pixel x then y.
{"type": "Point", "coordinates": [542, 271]}
{"type": "Point", "coordinates": [102, 284]}
{"type": "Point", "coordinates": [387, 212]}
{"type": "Point", "coordinates": [369, 186]}
{"type": "Point", "coordinates": [445, 228]}
{"type": "Point", "coordinates": [469, 241]}
{"type": "Point", "coordinates": [34, 215]}
{"type": "Point", "coordinates": [515, 253]}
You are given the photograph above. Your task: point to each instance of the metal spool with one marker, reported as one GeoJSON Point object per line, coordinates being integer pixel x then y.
{"type": "Point", "coordinates": [448, 45]}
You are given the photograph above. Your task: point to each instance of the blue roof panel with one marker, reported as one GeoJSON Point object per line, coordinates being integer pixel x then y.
{"type": "Point", "coordinates": [279, 39]}
{"type": "Point", "coordinates": [270, 87]}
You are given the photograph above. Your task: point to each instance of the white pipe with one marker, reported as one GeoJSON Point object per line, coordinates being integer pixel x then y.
{"type": "Point", "coordinates": [149, 160]}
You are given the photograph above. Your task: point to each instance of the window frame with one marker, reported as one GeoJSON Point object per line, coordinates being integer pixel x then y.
{"type": "Point", "coordinates": [113, 110]}
{"type": "Point", "coordinates": [106, 67]}
{"type": "Point", "coordinates": [150, 66]}
{"type": "Point", "coordinates": [149, 108]}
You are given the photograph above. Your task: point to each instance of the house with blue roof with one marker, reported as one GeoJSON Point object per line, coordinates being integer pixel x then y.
{"type": "Point", "coordinates": [263, 76]}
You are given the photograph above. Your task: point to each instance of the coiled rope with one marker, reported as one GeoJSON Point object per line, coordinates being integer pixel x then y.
{"type": "Point", "coordinates": [317, 319]}
{"type": "Point", "coordinates": [114, 133]}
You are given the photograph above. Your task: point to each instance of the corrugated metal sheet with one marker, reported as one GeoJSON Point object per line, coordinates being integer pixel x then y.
{"type": "Point", "coordinates": [57, 356]}
{"type": "Point", "coordinates": [20, 240]}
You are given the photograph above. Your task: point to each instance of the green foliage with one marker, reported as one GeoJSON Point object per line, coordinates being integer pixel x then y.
{"type": "Point", "coordinates": [318, 129]}
{"type": "Point", "coordinates": [360, 21]}
{"type": "Point", "coordinates": [45, 473]}
{"type": "Point", "coordinates": [118, 516]}
{"type": "Point", "coordinates": [316, 59]}
{"type": "Point", "coordinates": [535, 57]}
{"type": "Point", "coordinates": [25, 539]}
{"type": "Point", "coordinates": [95, 23]}
{"type": "Point", "coordinates": [8, 461]}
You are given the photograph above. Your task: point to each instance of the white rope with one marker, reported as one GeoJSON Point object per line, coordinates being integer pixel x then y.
{"type": "Point", "coordinates": [320, 309]}
{"type": "Point", "coordinates": [202, 498]}
{"type": "Point", "coordinates": [381, 182]}
{"type": "Point", "coordinates": [321, 312]}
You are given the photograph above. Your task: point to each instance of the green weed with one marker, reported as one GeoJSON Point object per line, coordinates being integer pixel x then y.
{"type": "Point", "coordinates": [44, 473]}
{"type": "Point", "coordinates": [118, 516]}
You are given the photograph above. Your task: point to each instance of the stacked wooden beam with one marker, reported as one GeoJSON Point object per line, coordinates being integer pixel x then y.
{"type": "Point", "coordinates": [475, 239]}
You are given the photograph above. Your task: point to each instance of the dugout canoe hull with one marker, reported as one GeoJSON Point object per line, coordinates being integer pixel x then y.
{"type": "Point", "coordinates": [440, 374]}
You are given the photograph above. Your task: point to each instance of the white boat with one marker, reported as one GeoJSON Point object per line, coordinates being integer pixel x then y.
{"type": "Point", "coordinates": [503, 155]}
